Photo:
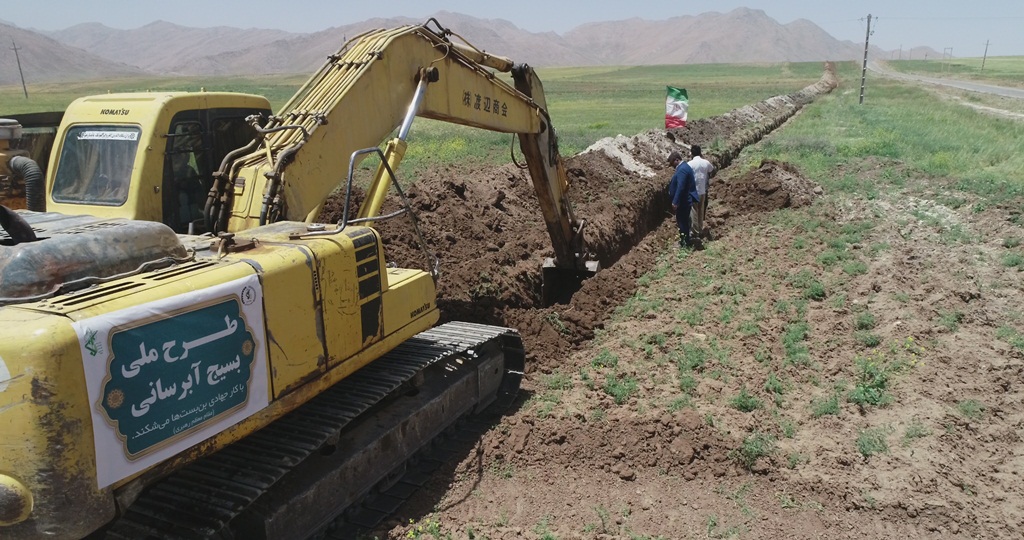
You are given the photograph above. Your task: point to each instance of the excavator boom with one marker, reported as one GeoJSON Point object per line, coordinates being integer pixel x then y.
{"type": "Point", "coordinates": [373, 85]}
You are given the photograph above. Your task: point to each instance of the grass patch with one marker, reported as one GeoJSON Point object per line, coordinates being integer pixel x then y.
{"type": "Point", "coordinates": [1011, 336]}
{"type": "Point", "coordinates": [970, 409]}
{"type": "Point", "coordinates": [774, 385]}
{"type": "Point", "coordinates": [808, 285]}
{"type": "Point", "coordinates": [605, 359]}
{"type": "Point", "coordinates": [855, 268]}
{"type": "Point", "coordinates": [950, 320]}
{"type": "Point", "coordinates": [865, 321]}
{"type": "Point", "coordinates": [867, 339]}
{"type": "Point", "coordinates": [872, 375]}
{"type": "Point", "coordinates": [691, 359]}
{"type": "Point", "coordinates": [619, 387]}
{"type": "Point", "coordinates": [557, 381]}
{"type": "Point", "coordinates": [754, 447]}
{"type": "Point", "coordinates": [793, 338]}
{"type": "Point", "coordinates": [1013, 260]}
{"type": "Point", "coordinates": [915, 430]}
{"type": "Point", "coordinates": [873, 441]}
{"type": "Point", "coordinates": [745, 401]}
{"type": "Point", "coordinates": [825, 406]}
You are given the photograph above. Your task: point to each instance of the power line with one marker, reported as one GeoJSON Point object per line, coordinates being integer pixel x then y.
{"type": "Point", "coordinates": [952, 18]}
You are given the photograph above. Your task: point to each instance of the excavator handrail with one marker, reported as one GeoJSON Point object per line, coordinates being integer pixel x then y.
{"type": "Point", "coordinates": [432, 259]}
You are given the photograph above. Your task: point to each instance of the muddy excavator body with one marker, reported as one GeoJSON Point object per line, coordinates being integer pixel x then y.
{"type": "Point", "coordinates": [256, 380]}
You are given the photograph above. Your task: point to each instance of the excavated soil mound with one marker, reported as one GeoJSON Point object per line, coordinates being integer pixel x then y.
{"type": "Point", "coordinates": [487, 232]}
{"type": "Point", "coordinates": [772, 186]}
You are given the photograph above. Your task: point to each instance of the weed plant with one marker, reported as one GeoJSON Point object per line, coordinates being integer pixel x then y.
{"type": "Point", "coordinates": [793, 338]}
{"type": "Point", "coordinates": [915, 430]}
{"type": "Point", "coordinates": [970, 409]}
{"type": "Point", "coordinates": [872, 374]}
{"type": "Point", "coordinates": [865, 321]}
{"type": "Point", "coordinates": [605, 359]}
{"type": "Point", "coordinates": [745, 401]}
{"type": "Point", "coordinates": [873, 441]}
{"type": "Point", "coordinates": [754, 447]}
{"type": "Point", "coordinates": [620, 387]}
{"type": "Point", "coordinates": [825, 406]}
{"type": "Point", "coordinates": [810, 287]}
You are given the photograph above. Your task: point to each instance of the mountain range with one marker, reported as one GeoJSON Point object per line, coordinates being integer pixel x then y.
{"type": "Point", "coordinates": [92, 51]}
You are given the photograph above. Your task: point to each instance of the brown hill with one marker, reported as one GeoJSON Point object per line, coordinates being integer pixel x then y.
{"type": "Point", "coordinates": [44, 60]}
{"type": "Point", "coordinates": [741, 35]}
{"type": "Point", "coordinates": [161, 47]}
{"type": "Point", "coordinates": [307, 52]}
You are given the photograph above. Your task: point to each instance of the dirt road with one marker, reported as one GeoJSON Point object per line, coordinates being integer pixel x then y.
{"type": "Point", "coordinates": [970, 86]}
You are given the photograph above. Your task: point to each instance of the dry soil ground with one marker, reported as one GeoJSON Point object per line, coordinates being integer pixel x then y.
{"type": "Point", "coordinates": [828, 366]}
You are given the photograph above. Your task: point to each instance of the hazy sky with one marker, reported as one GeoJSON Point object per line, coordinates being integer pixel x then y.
{"type": "Point", "coordinates": [964, 26]}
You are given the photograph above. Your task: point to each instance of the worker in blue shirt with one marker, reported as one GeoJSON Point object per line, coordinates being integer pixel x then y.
{"type": "Point", "coordinates": [682, 190]}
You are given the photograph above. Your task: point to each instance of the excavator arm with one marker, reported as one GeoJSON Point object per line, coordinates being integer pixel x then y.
{"type": "Point", "coordinates": [377, 82]}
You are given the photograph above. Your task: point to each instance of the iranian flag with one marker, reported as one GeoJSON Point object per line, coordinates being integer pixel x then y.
{"type": "Point", "coordinates": [675, 107]}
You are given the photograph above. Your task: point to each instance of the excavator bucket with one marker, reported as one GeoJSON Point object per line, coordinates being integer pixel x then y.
{"type": "Point", "coordinates": [558, 284]}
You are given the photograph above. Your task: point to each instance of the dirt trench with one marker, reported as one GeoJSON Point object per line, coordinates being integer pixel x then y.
{"type": "Point", "coordinates": [486, 227]}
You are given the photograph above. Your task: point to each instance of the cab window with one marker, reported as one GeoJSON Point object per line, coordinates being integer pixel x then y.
{"type": "Point", "coordinates": [96, 165]}
{"type": "Point", "coordinates": [186, 177]}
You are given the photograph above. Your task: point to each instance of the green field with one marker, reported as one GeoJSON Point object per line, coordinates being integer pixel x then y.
{"type": "Point", "coordinates": [902, 124]}
{"type": "Point", "coordinates": [898, 121]}
{"type": "Point", "coordinates": [586, 104]}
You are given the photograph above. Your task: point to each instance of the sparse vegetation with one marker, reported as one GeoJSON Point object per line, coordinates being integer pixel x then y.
{"type": "Point", "coordinates": [971, 409]}
{"type": "Point", "coordinates": [745, 401]}
{"type": "Point", "coordinates": [871, 381]}
{"type": "Point", "coordinates": [915, 430]}
{"type": "Point", "coordinates": [754, 447]}
{"type": "Point", "coordinates": [873, 441]}
{"type": "Point", "coordinates": [825, 406]}
{"type": "Point", "coordinates": [865, 321]}
{"type": "Point", "coordinates": [797, 352]}
{"type": "Point", "coordinates": [950, 320]}
{"type": "Point", "coordinates": [620, 387]}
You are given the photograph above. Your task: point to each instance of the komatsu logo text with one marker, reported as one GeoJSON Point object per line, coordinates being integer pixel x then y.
{"type": "Point", "coordinates": [114, 112]}
{"type": "Point", "coordinates": [419, 311]}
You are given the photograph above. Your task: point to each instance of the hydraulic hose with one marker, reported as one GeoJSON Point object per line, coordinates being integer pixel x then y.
{"type": "Point", "coordinates": [35, 186]}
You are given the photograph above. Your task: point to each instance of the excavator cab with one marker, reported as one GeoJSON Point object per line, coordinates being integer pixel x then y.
{"type": "Point", "coordinates": [148, 156]}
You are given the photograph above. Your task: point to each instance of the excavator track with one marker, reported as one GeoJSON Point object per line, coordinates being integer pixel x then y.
{"type": "Point", "coordinates": [293, 478]}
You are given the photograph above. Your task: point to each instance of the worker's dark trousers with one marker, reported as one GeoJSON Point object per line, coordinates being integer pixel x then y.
{"type": "Point", "coordinates": [683, 221]}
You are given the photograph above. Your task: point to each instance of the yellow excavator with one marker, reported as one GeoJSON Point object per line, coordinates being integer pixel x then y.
{"type": "Point", "coordinates": [185, 353]}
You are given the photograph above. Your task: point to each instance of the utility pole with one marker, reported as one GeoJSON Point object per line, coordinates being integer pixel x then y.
{"type": "Point", "coordinates": [984, 57]}
{"type": "Point", "coordinates": [15, 48]}
{"type": "Point", "coordinates": [864, 68]}
{"type": "Point", "coordinates": [946, 67]}
{"type": "Point", "coordinates": [901, 51]}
